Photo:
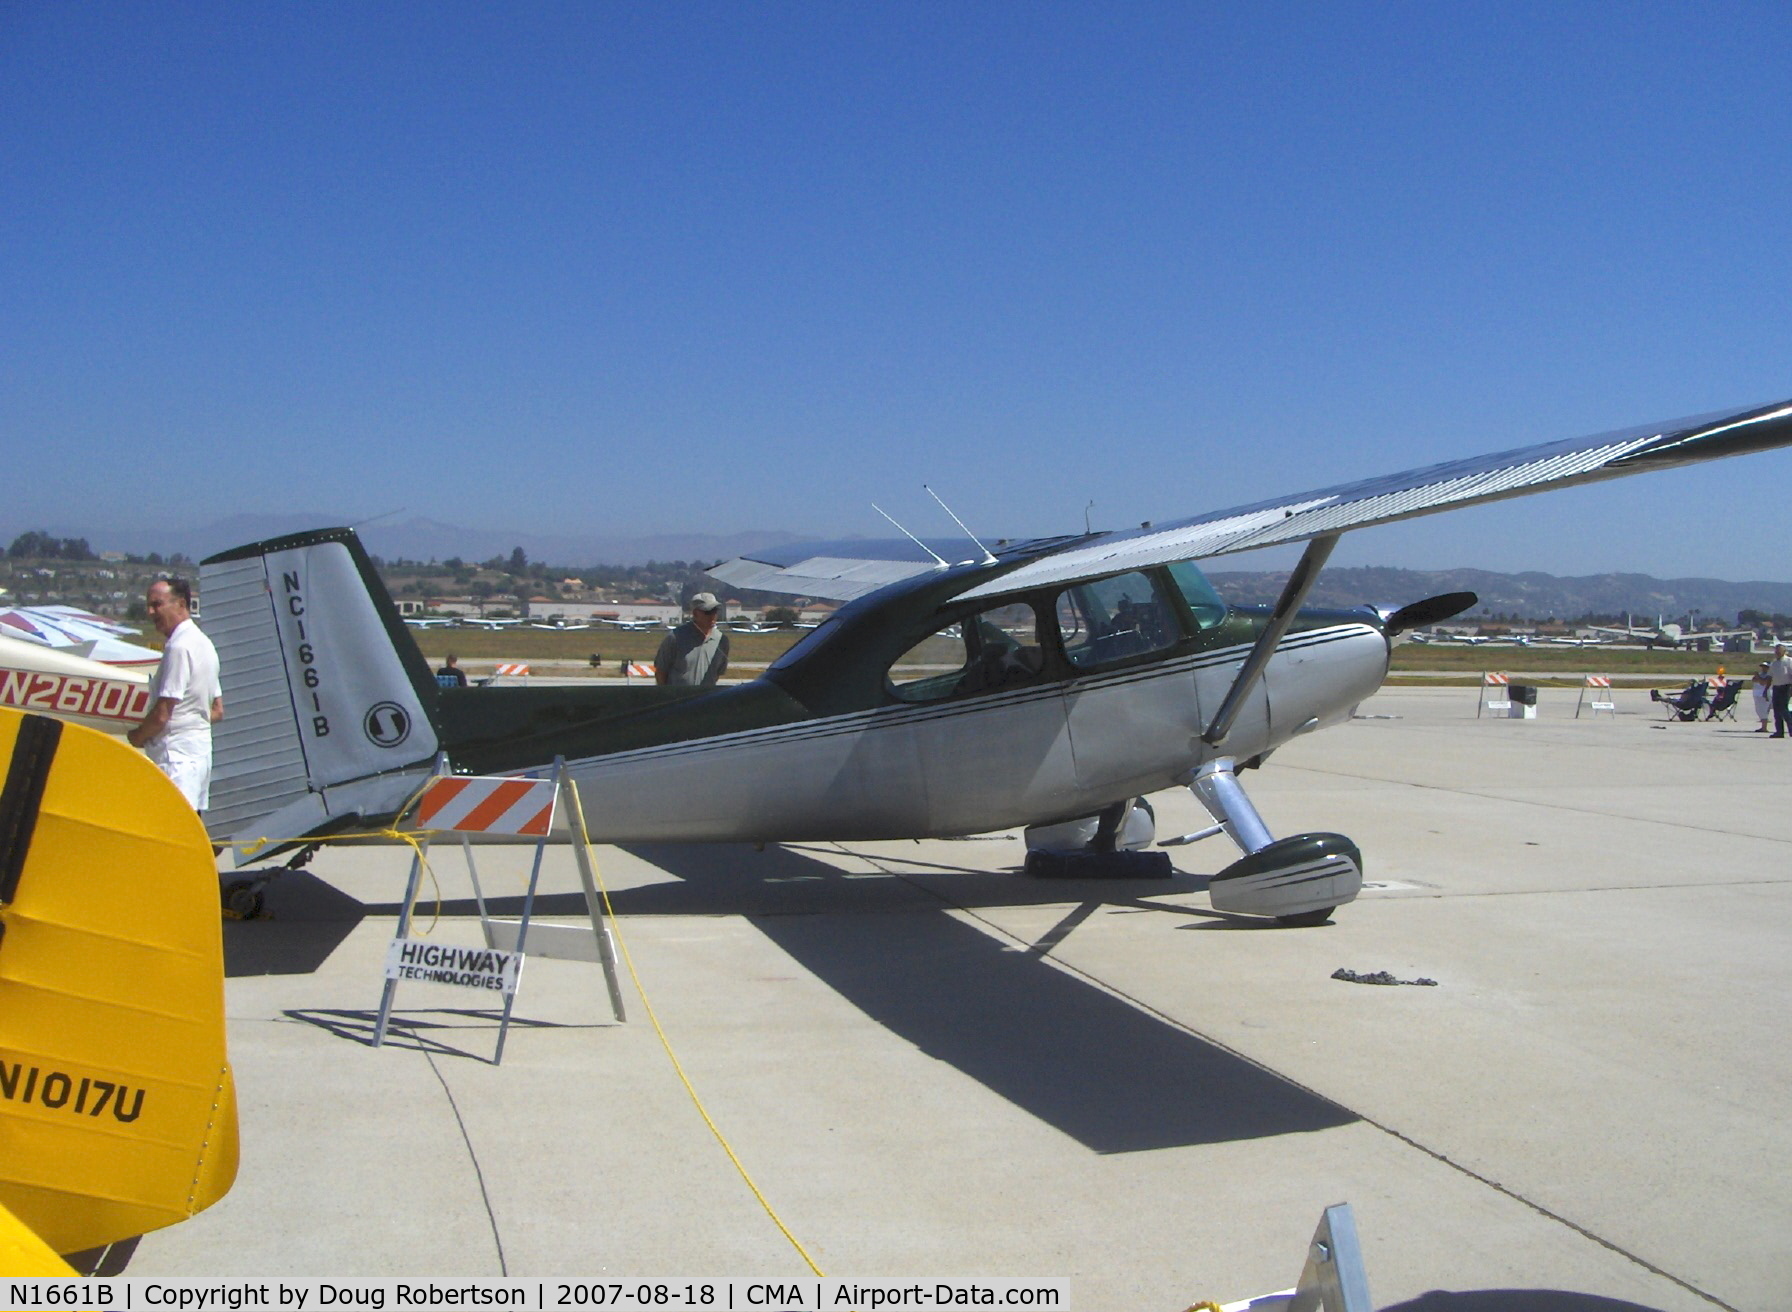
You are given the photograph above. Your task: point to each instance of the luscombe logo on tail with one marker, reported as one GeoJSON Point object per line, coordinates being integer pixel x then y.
{"type": "Point", "coordinates": [357, 712]}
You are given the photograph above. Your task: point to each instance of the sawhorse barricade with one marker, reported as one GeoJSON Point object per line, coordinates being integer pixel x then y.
{"type": "Point", "coordinates": [1600, 685]}
{"type": "Point", "coordinates": [499, 804]}
{"type": "Point", "coordinates": [1495, 695]}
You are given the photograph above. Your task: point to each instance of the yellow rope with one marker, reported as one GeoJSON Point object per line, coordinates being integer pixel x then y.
{"type": "Point", "coordinates": [250, 847]}
{"type": "Point", "coordinates": [411, 838]}
{"type": "Point", "coordinates": [629, 961]}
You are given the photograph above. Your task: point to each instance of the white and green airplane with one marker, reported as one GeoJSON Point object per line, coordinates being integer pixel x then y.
{"type": "Point", "coordinates": [1045, 684]}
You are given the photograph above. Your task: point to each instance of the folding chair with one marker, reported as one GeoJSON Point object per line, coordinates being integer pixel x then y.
{"type": "Point", "coordinates": [1723, 706]}
{"type": "Point", "coordinates": [1684, 705]}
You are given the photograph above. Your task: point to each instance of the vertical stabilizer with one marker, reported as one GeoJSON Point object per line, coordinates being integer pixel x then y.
{"type": "Point", "coordinates": [328, 704]}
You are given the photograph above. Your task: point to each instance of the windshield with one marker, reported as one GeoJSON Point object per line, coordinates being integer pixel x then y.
{"type": "Point", "coordinates": [1205, 605]}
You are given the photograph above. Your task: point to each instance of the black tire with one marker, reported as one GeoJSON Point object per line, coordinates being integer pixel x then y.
{"type": "Point", "coordinates": [243, 900]}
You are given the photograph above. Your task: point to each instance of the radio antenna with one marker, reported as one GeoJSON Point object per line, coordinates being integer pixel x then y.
{"type": "Point", "coordinates": [937, 562]}
{"type": "Point", "coordinates": [988, 556]}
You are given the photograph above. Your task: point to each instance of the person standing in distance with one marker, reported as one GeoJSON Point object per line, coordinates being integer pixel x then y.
{"type": "Point", "coordinates": [695, 654]}
{"type": "Point", "coordinates": [186, 699]}
{"type": "Point", "coordinates": [1780, 671]}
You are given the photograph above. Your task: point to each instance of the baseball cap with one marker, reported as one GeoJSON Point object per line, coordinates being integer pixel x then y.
{"type": "Point", "coordinates": [705, 601]}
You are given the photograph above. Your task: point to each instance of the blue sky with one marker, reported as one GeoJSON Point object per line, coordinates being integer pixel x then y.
{"type": "Point", "coordinates": [631, 268]}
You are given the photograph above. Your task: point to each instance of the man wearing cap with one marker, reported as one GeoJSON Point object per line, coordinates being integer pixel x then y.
{"type": "Point", "coordinates": [695, 654]}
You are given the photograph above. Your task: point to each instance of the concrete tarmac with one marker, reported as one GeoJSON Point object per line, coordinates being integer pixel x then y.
{"type": "Point", "coordinates": [931, 1065]}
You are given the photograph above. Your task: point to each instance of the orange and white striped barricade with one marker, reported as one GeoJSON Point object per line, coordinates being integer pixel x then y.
{"type": "Point", "coordinates": [510, 804]}
{"type": "Point", "coordinates": [1495, 695]}
{"type": "Point", "coordinates": [1600, 686]}
{"type": "Point", "coordinates": [494, 804]}
{"type": "Point", "coordinates": [638, 670]}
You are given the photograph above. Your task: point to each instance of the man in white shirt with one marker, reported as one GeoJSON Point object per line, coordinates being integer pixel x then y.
{"type": "Point", "coordinates": [186, 699]}
{"type": "Point", "coordinates": [1780, 672]}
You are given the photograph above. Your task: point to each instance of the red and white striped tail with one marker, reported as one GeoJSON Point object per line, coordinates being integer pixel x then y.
{"type": "Point", "coordinates": [488, 804]}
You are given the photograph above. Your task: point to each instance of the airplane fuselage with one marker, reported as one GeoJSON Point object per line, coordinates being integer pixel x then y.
{"type": "Point", "coordinates": [825, 746]}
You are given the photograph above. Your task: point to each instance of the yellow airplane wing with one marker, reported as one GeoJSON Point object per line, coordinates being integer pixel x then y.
{"type": "Point", "coordinates": [22, 1253]}
{"type": "Point", "coordinates": [117, 1109]}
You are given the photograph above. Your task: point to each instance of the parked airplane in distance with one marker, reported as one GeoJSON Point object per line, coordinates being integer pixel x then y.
{"type": "Point", "coordinates": [636, 625]}
{"type": "Point", "coordinates": [1052, 681]}
{"type": "Point", "coordinates": [469, 623]}
{"type": "Point", "coordinates": [431, 622]}
{"type": "Point", "coordinates": [1668, 634]}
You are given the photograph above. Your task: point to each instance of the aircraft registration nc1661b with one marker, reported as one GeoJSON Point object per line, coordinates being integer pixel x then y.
{"type": "Point", "coordinates": [1047, 684]}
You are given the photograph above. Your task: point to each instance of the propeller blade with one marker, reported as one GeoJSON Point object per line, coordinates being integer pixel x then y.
{"type": "Point", "coordinates": [1429, 611]}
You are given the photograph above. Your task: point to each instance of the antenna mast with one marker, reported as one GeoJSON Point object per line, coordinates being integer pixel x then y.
{"type": "Point", "coordinates": [988, 556]}
{"type": "Point", "coordinates": [937, 562]}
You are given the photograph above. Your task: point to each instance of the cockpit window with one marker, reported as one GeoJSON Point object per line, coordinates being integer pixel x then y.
{"type": "Point", "coordinates": [1113, 619]}
{"type": "Point", "coordinates": [1205, 606]}
{"type": "Point", "coordinates": [990, 649]}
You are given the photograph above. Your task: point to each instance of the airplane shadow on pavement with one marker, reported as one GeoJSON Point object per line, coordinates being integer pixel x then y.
{"type": "Point", "coordinates": [1096, 1067]}
{"type": "Point", "coordinates": [309, 920]}
{"type": "Point", "coordinates": [1515, 1300]}
{"type": "Point", "coordinates": [1092, 1065]}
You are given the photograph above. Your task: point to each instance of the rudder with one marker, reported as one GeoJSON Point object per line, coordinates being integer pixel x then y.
{"type": "Point", "coordinates": [329, 707]}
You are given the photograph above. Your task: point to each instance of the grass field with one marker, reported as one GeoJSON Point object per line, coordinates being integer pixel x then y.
{"type": "Point", "coordinates": [1640, 666]}
{"type": "Point", "coordinates": [1430, 664]}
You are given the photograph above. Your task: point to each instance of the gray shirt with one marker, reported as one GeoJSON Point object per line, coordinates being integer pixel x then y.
{"type": "Point", "coordinates": [687, 659]}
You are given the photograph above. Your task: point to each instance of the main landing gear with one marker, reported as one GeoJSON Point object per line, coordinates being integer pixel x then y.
{"type": "Point", "coordinates": [1299, 880]}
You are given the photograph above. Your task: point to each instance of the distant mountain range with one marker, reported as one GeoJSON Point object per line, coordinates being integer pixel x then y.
{"type": "Point", "coordinates": [1529, 595]}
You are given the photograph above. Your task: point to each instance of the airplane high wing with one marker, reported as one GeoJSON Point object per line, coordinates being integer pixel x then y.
{"type": "Point", "coordinates": [841, 576]}
{"type": "Point", "coordinates": [83, 634]}
{"type": "Point", "coordinates": [1048, 685]}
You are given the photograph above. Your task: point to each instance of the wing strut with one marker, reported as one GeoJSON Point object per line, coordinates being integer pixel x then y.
{"type": "Point", "coordinates": [1294, 592]}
